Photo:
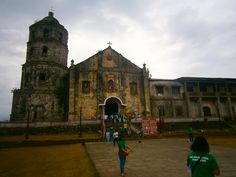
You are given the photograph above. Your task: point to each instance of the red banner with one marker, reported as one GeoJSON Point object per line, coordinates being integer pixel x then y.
{"type": "Point", "coordinates": [149, 125]}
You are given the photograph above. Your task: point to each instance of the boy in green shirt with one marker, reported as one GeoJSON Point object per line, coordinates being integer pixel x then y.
{"type": "Point", "coordinates": [124, 150]}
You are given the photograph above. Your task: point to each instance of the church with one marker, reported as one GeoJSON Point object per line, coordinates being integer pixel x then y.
{"type": "Point", "coordinates": [107, 83]}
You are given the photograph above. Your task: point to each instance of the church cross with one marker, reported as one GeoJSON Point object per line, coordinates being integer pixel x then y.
{"type": "Point", "coordinates": [51, 9]}
{"type": "Point", "coordinates": [109, 43]}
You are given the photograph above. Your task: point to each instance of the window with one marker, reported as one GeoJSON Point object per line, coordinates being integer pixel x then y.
{"type": "Point", "coordinates": [221, 88]}
{"type": "Point", "coordinates": [179, 110]}
{"type": "Point", "coordinates": [161, 111]}
{"type": "Point", "coordinates": [190, 88]}
{"type": "Point", "coordinates": [110, 85]}
{"type": "Point", "coordinates": [60, 37]}
{"type": "Point", "coordinates": [27, 79]}
{"type": "Point", "coordinates": [232, 88]}
{"type": "Point", "coordinates": [133, 88]}
{"type": "Point", "coordinates": [42, 77]}
{"type": "Point", "coordinates": [44, 51]}
{"type": "Point", "coordinates": [39, 113]}
{"type": "Point", "coordinates": [206, 111]}
{"type": "Point", "coordinates": [203, 87]}
{"type": "Point", "coordinates": [45, 33]}
{"type": "Point", "coordinates": [86, 87]}
{"type": "Point", "coordinates": [159, 90]}
{"type": "Point", "coordinates": [176, 90]}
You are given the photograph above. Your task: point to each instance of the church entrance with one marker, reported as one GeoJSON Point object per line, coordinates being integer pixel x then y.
{"type": "Point", "coordinates": [111, 107]}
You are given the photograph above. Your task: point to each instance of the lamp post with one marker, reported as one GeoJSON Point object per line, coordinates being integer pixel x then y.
{"type": "Point", "coordinates": [80, 123]}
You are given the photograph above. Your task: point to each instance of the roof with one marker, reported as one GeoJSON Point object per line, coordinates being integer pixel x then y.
{"type": "Point", "coordinates": [50, 19]}
{"type": "Point", "coordinates": [205, 79]}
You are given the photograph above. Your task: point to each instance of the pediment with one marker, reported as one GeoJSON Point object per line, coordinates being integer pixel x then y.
{"type": "Point", "coordinates": [108, 59]}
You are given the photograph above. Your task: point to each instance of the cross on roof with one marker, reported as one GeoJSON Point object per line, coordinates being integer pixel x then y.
{"type": "Point", "coordinates": [109, 43]}
{"type": "Point", "coordinates": [51, 9]}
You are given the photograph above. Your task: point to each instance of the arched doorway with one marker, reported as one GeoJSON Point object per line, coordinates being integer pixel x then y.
{"type": "Point", "coordinates": [206, 111]}
{"type": "Point", "coordinates": [111, 107]}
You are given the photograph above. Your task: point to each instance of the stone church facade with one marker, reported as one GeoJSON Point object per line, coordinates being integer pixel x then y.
{"type": "Point", "coordinates": [106, 84]}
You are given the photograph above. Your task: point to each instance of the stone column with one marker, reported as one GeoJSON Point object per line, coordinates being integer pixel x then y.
{"type": "Point", "coordinates": [230, 107]}
{"type": "Point", "coordinates": [146, 90]}
{"type": "Point", "coordinates": [71, 115]}
{"type": "Point", "coordinates": [200, 107]}
{"type": "Point", "coordinates": [218, 108]}
{"type": "Point", "coordinates": [173, 109]}
{"type": "Point", "coordinates": [187, 100]}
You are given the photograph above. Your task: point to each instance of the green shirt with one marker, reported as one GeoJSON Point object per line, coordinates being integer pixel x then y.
{"type": "Point", "coordinates": [121, 145]}
{"type": "Point", "coordinates": [205, 167]}
{"type": "Point", "coordinates": [190, 130]}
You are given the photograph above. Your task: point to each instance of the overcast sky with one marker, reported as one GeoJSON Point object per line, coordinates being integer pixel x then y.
{"type": "Point", "coordinates": [175, 38]}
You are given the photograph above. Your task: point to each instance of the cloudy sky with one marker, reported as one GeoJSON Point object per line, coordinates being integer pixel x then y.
{"type": "Point", "coordinates": [175, 38]}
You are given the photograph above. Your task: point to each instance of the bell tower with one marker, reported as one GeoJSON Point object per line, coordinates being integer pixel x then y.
{"type": "Point", "coordinates": [47, 41]}
{"type": "Point", "coordinates": [44, 74]}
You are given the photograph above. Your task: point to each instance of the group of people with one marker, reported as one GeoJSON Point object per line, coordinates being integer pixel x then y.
{"type": "Point", "coordinates": [113, 118]}
{"type": "Point", "coordinates": [112, 135]}
{"type": "Point", "coordinates": [200, 162]}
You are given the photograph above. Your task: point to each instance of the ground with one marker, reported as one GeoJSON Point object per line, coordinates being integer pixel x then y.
{"type": "Point", "coordinates": [73, 159]}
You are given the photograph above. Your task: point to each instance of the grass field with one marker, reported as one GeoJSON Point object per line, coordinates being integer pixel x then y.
{"type": "Point", "coordinates": [61, 160]}
{"type": "Point", "coordinates": [223, 141]}
{"type": "Point", "coordinates": [48, 161]}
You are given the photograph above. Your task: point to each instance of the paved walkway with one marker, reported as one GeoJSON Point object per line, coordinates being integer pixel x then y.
{"type": "Point", "coordinates": [155, 158]}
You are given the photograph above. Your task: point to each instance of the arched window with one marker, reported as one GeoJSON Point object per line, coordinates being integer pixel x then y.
{"type": "Point", "coordinates": [42, 77]}
{"type": "Point", "coordinates": [45, 33]}
{"type": "Point", "coordinates": [85, 86]}
{"type": "Point", "coordinates": [161, 111]}
{"type": "Point", "coordinates": [60, 37]}
{"type": "Point", "coordinates": [179, 111]}
{"type": "Point", "coordinates": [44, 51]}
{"type": "Point", "coordinates": [27, 79]}
{"type": "Point", "coordinates": [110, 85]}
{"type": "Point", "coordinates": [39, 113]}
{"type": "Point", "coordinates": [206, 111]}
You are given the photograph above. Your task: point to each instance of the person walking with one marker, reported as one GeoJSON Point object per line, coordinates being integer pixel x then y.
{"type": "Point", "coordinates": [199, 162]}
{"type": "Point", "coordinates": [115, 137]}
{"type": "Point", "coordinates": [141, 132]}
{"type": "Point", "coordinates": [124, 150]}
{"type": "Point", "coordinates": [190, 134]}
{"type": "Point", "coordinates": [108, 136]}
